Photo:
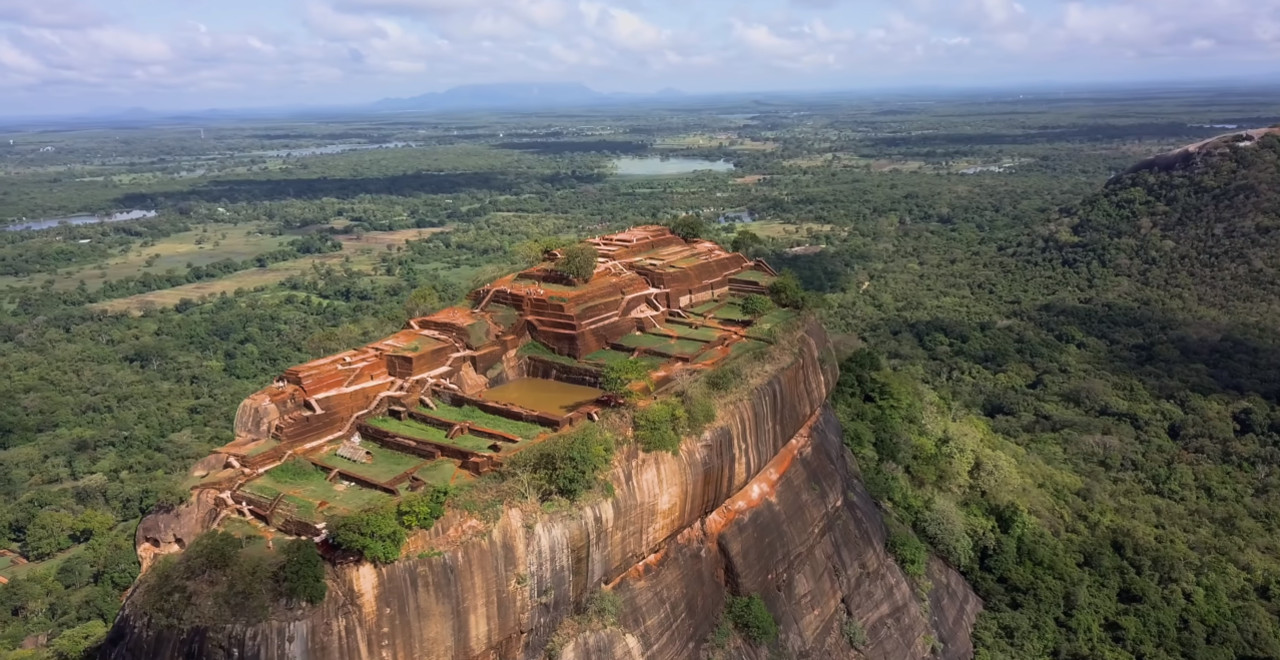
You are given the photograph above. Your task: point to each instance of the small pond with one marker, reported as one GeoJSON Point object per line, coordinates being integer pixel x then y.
{"type": "Point", "coordinates": [658, 166]}
{"type": "Point", "coordinates": [84, 219]}
{"type": "Point", "coordinates": [545, 396]}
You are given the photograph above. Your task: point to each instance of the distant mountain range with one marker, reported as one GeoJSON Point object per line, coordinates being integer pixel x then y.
{"type": "Point", "coordinates": [516, 96]}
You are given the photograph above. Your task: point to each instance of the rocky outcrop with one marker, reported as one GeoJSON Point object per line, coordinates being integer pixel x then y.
{"type": "Point", "coordinates": [767, 502]}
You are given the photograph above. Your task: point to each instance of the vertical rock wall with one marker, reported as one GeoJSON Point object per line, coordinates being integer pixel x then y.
{"type": "Point", "coordinates": [806, 538]}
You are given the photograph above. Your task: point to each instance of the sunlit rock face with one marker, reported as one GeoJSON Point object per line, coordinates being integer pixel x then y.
{"type": "Point", "coordinates": [768, 502]}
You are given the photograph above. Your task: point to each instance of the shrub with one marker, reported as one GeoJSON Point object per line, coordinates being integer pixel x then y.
{"type": "Point", "coordinates": [374, 533]}
{"type": "Point", "coordinates": [660, 426]}
{"type": "Point", "coordinates": [756, 305]}
{"type": "Point", "coordinates": [853, 634]}
{"type": "Point", "coordinates": [295, 470]}
{"type": "Point", "coordinates": [752, 619]}
{"type": "Point", "coordinates": [699, 409]}
{"type": "Point", "coordinates": [912, 556]}
{"type": "Point", "coordinates": [422, 510]}
{"type": "Point", "coordinates": [724, 378]}
{"type": "Point", "coordinates": [603, 607]}
{"type": "Point", "coordinates": [567, 466]}
{"type": "Point", "coordinates": [577, 261]}
{"type": "Point", "coordinates": [300, 574]}
{"type": "Point", "coordinates": [617, 377]}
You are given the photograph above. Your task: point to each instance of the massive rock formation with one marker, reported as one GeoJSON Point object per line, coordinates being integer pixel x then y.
{"type": "Point", "coordinates": [767, 502]}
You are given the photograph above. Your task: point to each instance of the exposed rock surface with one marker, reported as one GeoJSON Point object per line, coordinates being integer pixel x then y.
{"type": "Point", "coordinates": [765, 503]}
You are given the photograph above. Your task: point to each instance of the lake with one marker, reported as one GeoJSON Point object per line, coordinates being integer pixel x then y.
{"type": "Point", "coordinates": [656, 166]}
{"type": "Point", "coordinates": [85, 219]}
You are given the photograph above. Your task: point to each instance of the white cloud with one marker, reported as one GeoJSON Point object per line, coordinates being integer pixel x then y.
{"type": "Point", "coordinates": [418, 45]}
{"type": "Point", "coordinates": [49, 13]}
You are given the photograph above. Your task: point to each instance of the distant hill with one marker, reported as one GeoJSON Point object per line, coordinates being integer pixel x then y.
{"type": "Point", "coordinates": [515, 96]}
{"type": "Point", "coordinates": [1201, 223]}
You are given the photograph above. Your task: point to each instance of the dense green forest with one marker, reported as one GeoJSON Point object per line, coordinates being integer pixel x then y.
{"type": "Point", "coordinates": [1060, 378]}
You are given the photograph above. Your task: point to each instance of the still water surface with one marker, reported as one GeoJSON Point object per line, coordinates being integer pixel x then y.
{"type": "Point", "coordinates": [84, 219]}
{"type": "Point", "coordinates": [541, 395]}
{"type": "Point", "coordinates": [656, 166]}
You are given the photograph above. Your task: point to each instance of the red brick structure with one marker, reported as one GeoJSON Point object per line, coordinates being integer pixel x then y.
{"type": "Point", "coordinates": [642, 276]}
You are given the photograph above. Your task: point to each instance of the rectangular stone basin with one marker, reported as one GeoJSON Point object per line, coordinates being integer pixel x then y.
{"type": "Point", "coordinates": [546, 396]}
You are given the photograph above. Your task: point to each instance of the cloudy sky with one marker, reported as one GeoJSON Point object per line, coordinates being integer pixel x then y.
{"type": "Point", "coordinates": [77, 55]}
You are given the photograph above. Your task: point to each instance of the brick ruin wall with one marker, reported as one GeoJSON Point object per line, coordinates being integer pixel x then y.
{"type": "Point", "coordinates": [646, 272]}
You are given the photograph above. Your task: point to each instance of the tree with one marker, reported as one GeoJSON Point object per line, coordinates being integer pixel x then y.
{"type": "Point", "coordinates": [48, 534]}
{"type": "Point", "coordinates": [617, 377]}
{"type": "Point", "coordinates": [578, 261]}
{"type": "Point", "coordinates": [745, 240]}
{"type": "Point", "coordinates": [300, 575]}
{"type": "Point", "coordinates": [786, 291]}
{"type": "Point", "coordinates": [93, 523]}
{"type": "Point", "coordinates": [534, 250]}
{"type": "Point", "coordinates": [689, 227]}
{"type": "Point", "coordinates": [75, 643]}
{"type": "Point", "coordinates": [374, 533]}
{"type": "Point", "coordinates": [421, 302]}
{"type": "Point", "coordinates": [756, 305]}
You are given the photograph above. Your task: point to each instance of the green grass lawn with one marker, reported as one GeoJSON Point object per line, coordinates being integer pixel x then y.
{"type": "Point", "coordinates": [732, 312]}
{"type": "Point", "coordinates": [705, 307]}
{"type": "Point", "coordinates": [386, 465]}
{"type": "Point", "coordinates": [307, 494]}
{"type": "Point", "coordinates": [541, 350]}
{"type": "Point", "coordinates": [485, 420]}
{"type": "Point", "coordinates": [665, 345]}
{"type": "Point", "coordinates": [763, 327]}
{"type": "Point", "coordinates": [419, 431]}
{"type": "Point", "coordinates": [437, 473]}
{"type": "Point", "coordinates": [609, 356]}
{"type": "Point", "coordinates": [685, 332]}
{"type": "Point", "coordinates": [758, 276]}
{"type": "Point", "coordinates": [746, 347]}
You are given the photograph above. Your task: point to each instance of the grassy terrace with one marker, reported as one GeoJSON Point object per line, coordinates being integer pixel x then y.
{"type": "Point", "coordinates": [665, 345]}
{"type": "Point", "coordinates": [542, 351]}
{"type": "Point", "coordinates": [763, 327]}
{"type": "Point", "coordinates": [609, 356]}
{"type": "Point", "coordinates": [485, 420]}
{"type": "Point", "coordinates": [731, 312]}
{"type": "Point", "coordinates": [435, 473]}
{"type": "Point", "coordinates": [386, 465]}
{"type": "Point", "coordinates": [309, 493]}
{"type": "Point", "coordinates": [685, 332]}
{"type": "Point", "coordinates": [759, 277]}
{"type": "Point", "coordinates": [419, 431]}
{"type": "Point", "coordinates": [705, 307]}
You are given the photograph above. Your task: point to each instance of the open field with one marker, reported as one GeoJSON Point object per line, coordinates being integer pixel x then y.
{"type": "Point", "coordinates": [775, 229]}
{"type": "Point", "coordinates": [717, 140]}
{"type": "Point", "coordinates": [198, 247]}
{"type": "Point", "coordinates": [362, 252]}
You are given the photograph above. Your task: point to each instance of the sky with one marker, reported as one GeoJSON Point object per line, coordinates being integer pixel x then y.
{"type": "Point", "coordinates": [79, 56]}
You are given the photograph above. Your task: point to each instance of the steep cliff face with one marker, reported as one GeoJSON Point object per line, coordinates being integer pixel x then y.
{"type": "Point", "coordinates": [766, 503]}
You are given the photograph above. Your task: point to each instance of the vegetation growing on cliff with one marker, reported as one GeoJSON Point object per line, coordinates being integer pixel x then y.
{"type": "Point", "coordinates": [221, 579]}
{"type": "Point", "coordinates": [566, 466]}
